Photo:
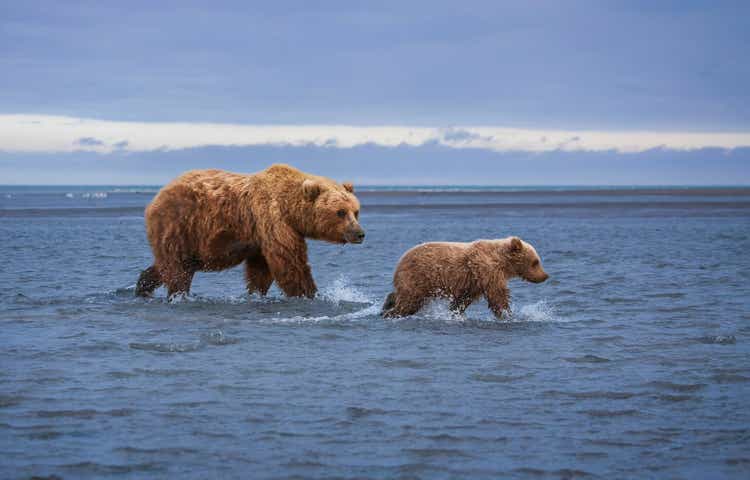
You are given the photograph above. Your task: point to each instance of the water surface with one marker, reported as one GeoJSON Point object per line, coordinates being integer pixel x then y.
{"type": "Point", "coordinates": [631, 361]}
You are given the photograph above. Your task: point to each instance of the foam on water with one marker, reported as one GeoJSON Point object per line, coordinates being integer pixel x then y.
{"type": "Point", "coordinates": [439, 309]}
{"type": "Point", "coordinates": [188, 298]}
{"type": "Point", "coordinates": [372, 310]}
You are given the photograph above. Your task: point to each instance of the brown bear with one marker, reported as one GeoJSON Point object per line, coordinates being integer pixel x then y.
{"type": "Point", "coordinates": [209, 220]}
{"type": "Point", "coordinates": [461, 272]}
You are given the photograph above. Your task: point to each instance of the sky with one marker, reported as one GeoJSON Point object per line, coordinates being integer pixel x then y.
{"type": "Point", "coordinates": [404, 93]}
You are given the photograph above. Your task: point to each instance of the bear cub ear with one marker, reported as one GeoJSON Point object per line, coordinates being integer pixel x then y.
{"type": "Point", "coordinates": [515, 244]}
{"type": "Point", "coordinates": [311, 189]}
{"type": "Point", "coordinates": [348, 186]}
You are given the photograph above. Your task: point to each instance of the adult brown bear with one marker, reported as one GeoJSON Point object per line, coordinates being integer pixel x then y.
{"type": "Point", "coordinates": [209, 220]}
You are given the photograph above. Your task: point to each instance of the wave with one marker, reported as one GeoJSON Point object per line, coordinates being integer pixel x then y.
{"type": "Point", "coordinates": [88, 195]}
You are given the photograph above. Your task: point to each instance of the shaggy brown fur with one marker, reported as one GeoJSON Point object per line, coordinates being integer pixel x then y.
{"type": "Point", "coordinates": [461, 272]}
{"type": "Point", "coordinates": [208, 220]}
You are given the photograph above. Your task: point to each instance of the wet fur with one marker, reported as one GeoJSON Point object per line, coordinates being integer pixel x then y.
{"type": "Point", "coordinates": [210, 220]}
{"type": "Point", "coordinates": [461, 272]}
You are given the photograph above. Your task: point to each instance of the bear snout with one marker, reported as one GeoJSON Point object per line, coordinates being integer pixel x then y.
{"type": "Point", "coordinates": [540, 278]}
{"type": "Point", "coordinates": [355, 235]}
{"type": "Point", "coordinates": [534, 277]}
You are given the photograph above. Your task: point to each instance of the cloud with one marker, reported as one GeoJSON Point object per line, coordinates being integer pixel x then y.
{"type": "Point", "coordinates": [45, 133]}
{"type": "Point", "coordinates": [87, 141]}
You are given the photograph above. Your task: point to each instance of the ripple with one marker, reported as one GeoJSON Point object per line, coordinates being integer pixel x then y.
{"type": "Point", "coordinates": [121, 375]}
{"type": "Point", "coordinates": [607, 395]}
{"type": "Point", "coordinates": [437, 452]}
{"type": "Point", "coordinates": [562, 473]}
{"type": "Point", "coordinates": [493, 378]}
{"type": "Point", "coordinates": [718, 339]}
{"type": "Point", "coordinates": [729, 378]}
{"type": "Point", "coordinates": [672, 295]}
{"type": "Point", "coordinates": [167, 347]}
{"type": "Point", "coordinates": [158, 451]}
{"type": "Point", "coordinates": [677, 387]}
{"type": "Point", "coordinates": [608, 339]}
{"type": "Point", "coordinates": [610, 413]}
{"type": "Point", "coordinates": [194, 404]}
{"type": "Point", "coordinates": [303, 464]}
{"type": "Point", "coordinates": [104, 469]}
{"type": "Point", "coordinates": [44, 435]}
{"type": "Point", "coordinates": [401, 363]}
{"type": "Point", "coordinates": [166, 372]}
{"type": "Point", "coordinates": [84, 413]}
{"type": "Point", "coordinates": [361, 412]}
{"type": "Point", "coordinates": [587, 359]}
{"type": "Point", "coordinates": [675, 398]}
{"type": "Point", "coordinates": [10, 400]}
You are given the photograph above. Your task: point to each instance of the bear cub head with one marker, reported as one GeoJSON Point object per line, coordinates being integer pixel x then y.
{"type": "Point", "coordinates": [525, 261]}
{"type": "Point", "coordinates": [335, 210]}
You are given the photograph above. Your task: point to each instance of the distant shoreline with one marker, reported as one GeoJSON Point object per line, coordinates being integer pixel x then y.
{"type": "Point", "coordinates": [388, 190]}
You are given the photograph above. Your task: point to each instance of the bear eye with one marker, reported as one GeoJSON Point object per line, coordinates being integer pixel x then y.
{"type": "Point", "coordinates": [356, 214]}
{"type": "Point", "coordinates": [535, 264]}
{"type": "Point", "coordinates": [341, 213]}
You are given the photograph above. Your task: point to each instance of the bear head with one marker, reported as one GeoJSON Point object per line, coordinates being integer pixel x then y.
{"type": "Point", "coordinates": [525, 262]}
{"type": "Point", "coordinates": [335, 212]}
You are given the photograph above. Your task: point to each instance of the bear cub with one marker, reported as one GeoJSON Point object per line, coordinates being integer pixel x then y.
{"type": "Point", "coordinates": [462, 272]}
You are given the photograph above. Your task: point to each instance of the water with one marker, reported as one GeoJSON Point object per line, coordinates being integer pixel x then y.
{"type": "Point", "coordinates": [631, 361]}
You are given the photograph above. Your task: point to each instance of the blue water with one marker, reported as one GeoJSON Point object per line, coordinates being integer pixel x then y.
{"type": "Point", "coordinates": [632, 361]}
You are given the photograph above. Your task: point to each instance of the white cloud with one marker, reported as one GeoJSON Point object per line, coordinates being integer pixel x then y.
{"type": "Point", "coordinates": [45, 133]}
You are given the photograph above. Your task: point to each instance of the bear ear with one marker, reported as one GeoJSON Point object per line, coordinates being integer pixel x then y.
{"type": "Point", "coordinates": [311, 189]}
{"type": "Point", "coordinates": [515, 244]}
{"type": "Point", "coordinates": [348, 186]}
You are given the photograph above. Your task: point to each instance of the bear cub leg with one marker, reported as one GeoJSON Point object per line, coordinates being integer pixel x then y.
{"type": "Point", "coordinates": [396, 306]}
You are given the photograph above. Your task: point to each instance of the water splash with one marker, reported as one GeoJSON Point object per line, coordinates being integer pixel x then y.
{"type": "Point", "coordinates": [439, 309]}
{"type": "Point", "coordinates": [341, 291]}
{"type": "Point", "coordinates": [540, 311]}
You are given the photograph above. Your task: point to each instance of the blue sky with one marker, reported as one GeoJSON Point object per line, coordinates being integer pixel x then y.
{"type": "Point", "coordinates": [553, 92]}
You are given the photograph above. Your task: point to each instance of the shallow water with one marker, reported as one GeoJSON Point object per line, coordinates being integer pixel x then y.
{"type": "Point", "coordinates": [631, 361]}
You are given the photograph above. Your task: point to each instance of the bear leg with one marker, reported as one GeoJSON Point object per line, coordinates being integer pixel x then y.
{"type": "Point", "coordinates": [178, 281]}
{"type": "Point", "coordinates": [148, 281]}
{"type": "Point", "coordinates": [390, 301]}
{"type": "Point", "coordinates": [460, 304]}
{"type": "Point", "coordinates": [403, 306]}
{"type": "Point", "coordinates": [498, 300]}
{"type": "Point", "coordinates": [290, 270]}
{"type": "Point", "coordinates": [257, 275]}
